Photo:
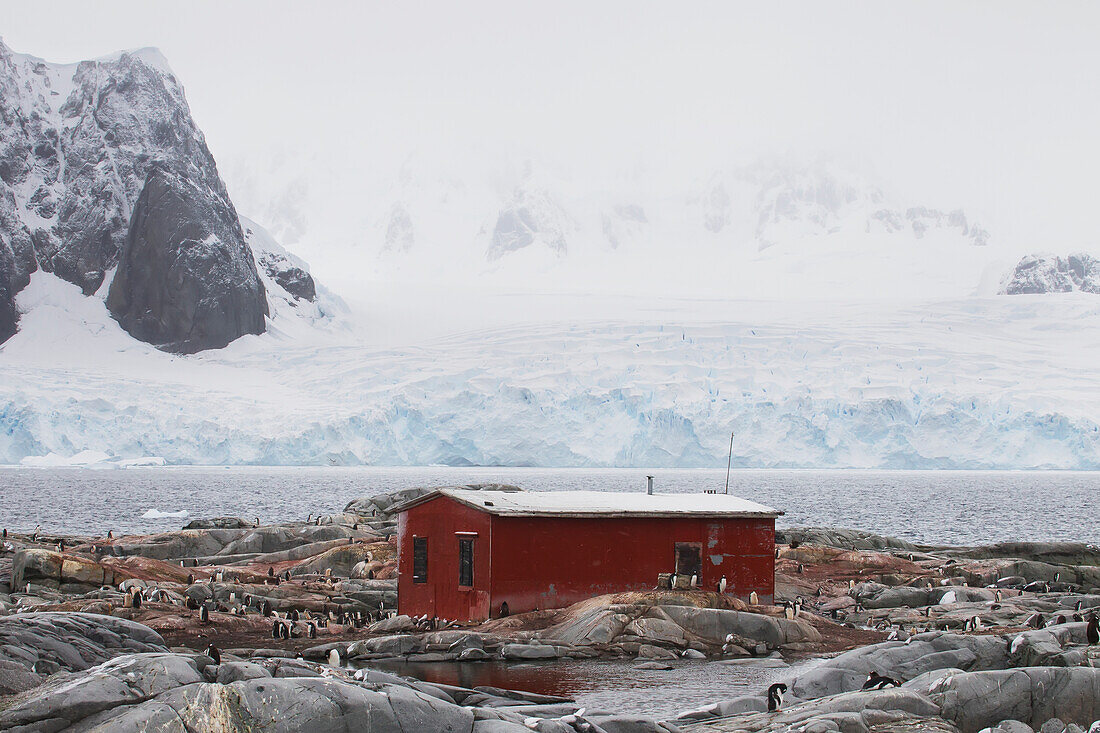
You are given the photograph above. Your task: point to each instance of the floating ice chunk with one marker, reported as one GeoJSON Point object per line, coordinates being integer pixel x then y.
{"type": "Point", "coordinates": [156, 514]}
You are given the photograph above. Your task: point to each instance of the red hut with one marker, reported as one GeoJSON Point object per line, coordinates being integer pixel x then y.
{"type": "Point", "coordinates": [470, 555]}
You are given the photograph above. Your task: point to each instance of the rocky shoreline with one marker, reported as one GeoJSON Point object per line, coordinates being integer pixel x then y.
{"type": "Point", "coordinates": [115, 633]}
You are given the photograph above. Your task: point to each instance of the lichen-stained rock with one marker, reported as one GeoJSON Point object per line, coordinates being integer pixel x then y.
{"type": "Point", "coordinates": [55, 569]}
{"type": "Point", "coordinates": [1032, 695]}
{"type": "Point", "coordinates": [186, 280]}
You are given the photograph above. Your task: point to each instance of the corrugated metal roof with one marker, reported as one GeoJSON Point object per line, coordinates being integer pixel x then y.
{"type": "Point", "coordinates": [599, 503]}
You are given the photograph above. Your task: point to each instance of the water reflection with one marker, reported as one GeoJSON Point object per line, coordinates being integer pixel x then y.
{"type": "Point", "coordinates": [609, 685]}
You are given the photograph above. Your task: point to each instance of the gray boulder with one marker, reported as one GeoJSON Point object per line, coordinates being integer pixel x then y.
{"type": "Point", "coordinates": [712, 625]}
{"type": "Point", "coordinates": [51, 642]}
{"type": "Point", "coordinates": [186, 280]}
{"type": "Point", "coordinates": [905, 661]}
{"type": "Point", "coordinates": [1032, 695]}
{"type": "Point", "coordinates": [528, 651]}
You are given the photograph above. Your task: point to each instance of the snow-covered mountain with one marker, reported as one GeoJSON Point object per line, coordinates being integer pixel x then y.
{"type": "Point", "coordinates": [504, 310]}
{"type": "Point", "coordinates": [773, 228]}
{"type": "Point", "coordinates": [1051, 274]}
{"type": "Point", "coordinates": [102, 166]}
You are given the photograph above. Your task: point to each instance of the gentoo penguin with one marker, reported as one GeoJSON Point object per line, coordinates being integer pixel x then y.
{"type": "Point", "coordinates": [137, 598]}
{"type": "Point", "coordinates": [754, 599]}
{"type": "Point", "coordinates": [5, 532]}
{"type": "Point", "coordinates": [110, 535]}
{"type": "Point", "coordinates": [1036, 621]}
{"type": "Point", "coordinates": [876, 681]}
{"type": "Point", "coordinates": [334, 658]}
{"type": "Point", "coordinates": [204, 614]}
{"type": "Point", "coordinates": [694, 581]}
{"type": "Point", "coordinates": [61, 545]}
{"type": "Point", "coordinates": [286, 576]}
{"type": "Point", "coordinates": [722, 585]}
{"type": "Point", "coordinates": [271, 572]}
{"type": "Point", "coordinates": [504, 610]}
{"type": "Point", "coordinates": [293, 615]}
{"type": "Point", "coordinates": [997, 595]}
{"type": "Point", "coordinates": [1092, 630]}
{"type": "Point", "coordinates": [796, 607]}
{"type": "Point", "coordinates": [788, 609]}
{"type": "Point", "coordinates": [275, 629]}
{"type": "Point", "coordinates": [34, 537]}
{"type": "Point", "coordinates": [284, 631]}
{"type": "Point", "coordinates": [191, 604]}
{"type": "Point", "coordinates": [219, 577]}
{"type": "Point", "coordinates": [266, 608]}
{"type": "Point", "coordinates": [311, 630]}
{"type": "Point", "coordinates": [775, 697]}
{"type": "Point", "coordinates": [851, 585]}
{"type": "Point", "coordinates": [893, 634]}
{"type": "Point", "coordinates": [190, 579]}
{"type": "Point", "coordinates": [672, 581]}
{"type": "Point", "coordinates": [213, 653]}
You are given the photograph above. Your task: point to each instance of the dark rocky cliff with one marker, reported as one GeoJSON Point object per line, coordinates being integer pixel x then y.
{"type": "Point", "coordinates": [187, 280]}
{"type": "Point", "coordinates": [95, 160]}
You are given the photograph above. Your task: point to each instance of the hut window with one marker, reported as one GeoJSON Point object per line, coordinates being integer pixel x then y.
{"type": "Point", "coordinates": [466, 562]}
{"type": "Point", "coordinates": [420, 559]}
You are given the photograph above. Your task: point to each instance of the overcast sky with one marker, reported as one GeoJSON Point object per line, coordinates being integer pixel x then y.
{"type": "Point", "coordinates": [991, 106]}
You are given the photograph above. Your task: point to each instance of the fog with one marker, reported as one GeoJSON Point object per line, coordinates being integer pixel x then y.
{"type": "Point", "coordinates": [991, 107]}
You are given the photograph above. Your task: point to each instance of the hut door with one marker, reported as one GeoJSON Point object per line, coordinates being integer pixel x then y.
{"type": "Point", "coordinates": [689, 558]}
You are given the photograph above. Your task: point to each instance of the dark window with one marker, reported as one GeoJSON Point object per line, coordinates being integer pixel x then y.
{"type": "Point", "coordinates": [688, 558]}
{"type": "Point", "coordinates": [466, 562]}
{"type": "Point", "coordinates": [420, 559]}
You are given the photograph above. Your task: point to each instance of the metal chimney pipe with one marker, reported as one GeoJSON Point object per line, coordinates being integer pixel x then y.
{"type": "Point", "coordinates": [649, 485]}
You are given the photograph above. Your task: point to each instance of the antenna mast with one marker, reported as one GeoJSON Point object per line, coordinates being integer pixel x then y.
{"type": "Point", "coordinates": [729, 462]}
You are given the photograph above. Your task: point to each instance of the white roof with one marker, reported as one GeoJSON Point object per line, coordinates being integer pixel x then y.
{"type": "Point", "coordinates": [599, 503]}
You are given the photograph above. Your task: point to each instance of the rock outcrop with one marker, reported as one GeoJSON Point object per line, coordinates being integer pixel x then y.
{"type": "Point", "coordinates": [1050, 274]}
{"type": "Point", "coordinates": [188, 692]}
{"type": "Point", "coordinates": [52, 642]}
{"type": "Point", "coordinates": [186, 280]}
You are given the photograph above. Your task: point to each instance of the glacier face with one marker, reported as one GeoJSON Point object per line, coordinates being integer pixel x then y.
{"type": "Point", "coordinates": [974, 383]}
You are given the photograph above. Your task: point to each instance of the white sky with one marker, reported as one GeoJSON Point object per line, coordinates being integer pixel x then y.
{"type": "Point", "coordinates": [991, 106]}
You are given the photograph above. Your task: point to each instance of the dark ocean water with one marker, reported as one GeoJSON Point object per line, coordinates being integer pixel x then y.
{"type": "Point", "coordinates": [950, 507]}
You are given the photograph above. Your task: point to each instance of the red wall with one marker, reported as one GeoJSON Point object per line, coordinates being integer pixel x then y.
{"type": "Point", "coordinates": [439, 520]}
{"type": "Point", "coordinates": [551, 562]}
